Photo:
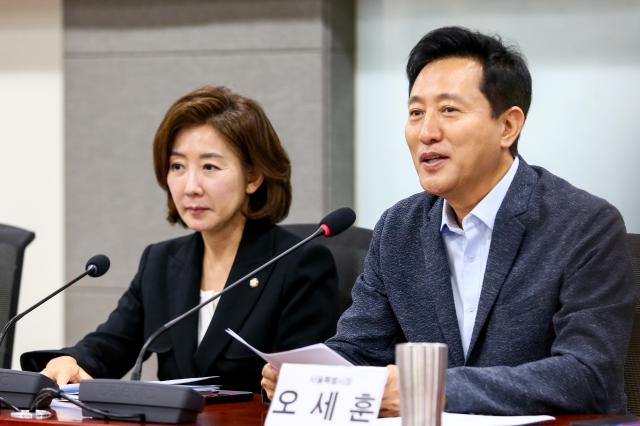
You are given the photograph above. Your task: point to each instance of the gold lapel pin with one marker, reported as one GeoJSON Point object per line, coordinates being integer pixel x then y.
{"type": "Point", "coordinates": [254, 282]}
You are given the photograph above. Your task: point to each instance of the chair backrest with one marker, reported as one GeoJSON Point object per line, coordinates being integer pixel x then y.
{"type": "Point", "coordinates": [348, 249]}
{"type": "Point", "coordinates": [13, 242]}
{"type": "Point", "coordinates": [632, 365]}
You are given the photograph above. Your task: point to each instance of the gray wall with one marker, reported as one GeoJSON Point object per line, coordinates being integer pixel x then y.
{"type": "Point", "coordinates": [126, 61]}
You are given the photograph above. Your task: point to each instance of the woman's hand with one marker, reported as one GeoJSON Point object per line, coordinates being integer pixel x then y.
{"type": "Point", "coordinates": [390, 406]}
{"type": "Point", "coordinates": [65, 369]}
{"type": "Point", "coordinates": [269, 380]}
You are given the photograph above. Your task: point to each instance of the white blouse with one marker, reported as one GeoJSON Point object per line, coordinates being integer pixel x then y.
{"type": "Point", "coordinates": [206, 313]}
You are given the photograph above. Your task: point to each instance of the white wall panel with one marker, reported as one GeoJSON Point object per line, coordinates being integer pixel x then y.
{"type": "Point", "coordinates": [31, 175]}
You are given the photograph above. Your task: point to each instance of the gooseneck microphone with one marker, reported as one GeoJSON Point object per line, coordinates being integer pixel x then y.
{"type": "Point", "coordinates": [96, 266]}
{"type": "Point", "coordinates": [21, 387]}
{"type": "Point", "coordinates": [332, 224]}
{"type": "Point", "coordinates": [148, 394]}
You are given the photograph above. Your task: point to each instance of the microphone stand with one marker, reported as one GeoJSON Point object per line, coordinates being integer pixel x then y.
{"type": "Point", "coordinates": [15, 319]}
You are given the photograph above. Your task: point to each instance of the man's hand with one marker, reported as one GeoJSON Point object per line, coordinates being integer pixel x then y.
{"type": "Point", "coordinates": [65, 369]}
{"type": "Point", "coordinates": [390, 406]}
{"type": "Point", "coordinates": [269, 380]}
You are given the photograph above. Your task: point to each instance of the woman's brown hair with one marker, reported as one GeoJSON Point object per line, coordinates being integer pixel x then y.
{"type": "Point", "coordinates": [247, 130]}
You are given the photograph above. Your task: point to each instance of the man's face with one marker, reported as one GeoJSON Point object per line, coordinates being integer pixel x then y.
{"type": "Point", "coordinates": [458, 149]}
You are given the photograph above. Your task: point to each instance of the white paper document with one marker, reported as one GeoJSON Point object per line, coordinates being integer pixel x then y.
{"type": "Point", "coordinates": [74, 388]}
{"type": "Point", "coordinates": [454, 419]}
{"type": "Point", "coordinates": [188, 381]}
{"type": "Point", "coordinates": [315, 354]}
{"type": "Point", "coordinates": [66, 411]}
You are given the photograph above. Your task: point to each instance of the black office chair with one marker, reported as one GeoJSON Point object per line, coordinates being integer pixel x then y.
{"type": "Point", "coordinates": [632, 365]}
{"type": "Point", "coordinates": [13, 242]}
{"type": "Point", "coordinates": [348, 249]}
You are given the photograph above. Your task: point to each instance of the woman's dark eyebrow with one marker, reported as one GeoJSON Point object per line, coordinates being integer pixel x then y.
{"type": "Point", "coordinates": [206, 155]}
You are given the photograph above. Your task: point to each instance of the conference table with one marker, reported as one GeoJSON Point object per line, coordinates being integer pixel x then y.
{"type": "Point", "coordinates": [236, 414]}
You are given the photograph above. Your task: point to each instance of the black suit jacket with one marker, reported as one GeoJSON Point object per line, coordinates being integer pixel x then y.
{"type": "Point", "coordinates": [294, 305]}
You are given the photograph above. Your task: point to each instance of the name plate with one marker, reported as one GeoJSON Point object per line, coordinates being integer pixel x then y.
{"type": "Point", "coordinates": [309, 394]}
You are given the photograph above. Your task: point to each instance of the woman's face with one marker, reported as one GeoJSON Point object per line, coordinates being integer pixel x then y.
{"type": "Point", "coordinates": [207, 181]}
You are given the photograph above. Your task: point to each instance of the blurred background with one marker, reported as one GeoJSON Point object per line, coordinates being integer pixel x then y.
{"type": "Point", "coordinates": [84, 84]}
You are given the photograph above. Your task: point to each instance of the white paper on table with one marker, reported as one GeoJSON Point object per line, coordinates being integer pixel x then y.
{"type": "Point", "coordinates": [186, 381]}
{"type": "Point", "coordinates": [70, 388]}
{"type": "Point", "coordinates": [74, 388]}
{"type": "Point", "coordinates": [315, 354]}
{"type": "Point", "coordinates": [66, 411]}
{"type": "Point", "coordinates": [455, 419]}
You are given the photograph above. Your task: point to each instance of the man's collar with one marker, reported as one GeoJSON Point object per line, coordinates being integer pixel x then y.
{"type": "Point", "coordinates": [448, 218]}
{"type": "Point", "coordinates": [487, 209]}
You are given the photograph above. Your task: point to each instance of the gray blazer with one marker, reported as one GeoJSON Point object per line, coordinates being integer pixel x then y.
{"type": "Point", "coordinates": [555, 311]}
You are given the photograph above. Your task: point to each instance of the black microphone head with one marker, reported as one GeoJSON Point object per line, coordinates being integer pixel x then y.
{"type": "Point", "coordinates": [98, 265]}
{"type": "Point", "coordinates": [337, 221]}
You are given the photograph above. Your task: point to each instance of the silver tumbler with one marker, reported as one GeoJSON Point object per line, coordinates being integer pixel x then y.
{"type": "Point", "coordinates": [421, 382]}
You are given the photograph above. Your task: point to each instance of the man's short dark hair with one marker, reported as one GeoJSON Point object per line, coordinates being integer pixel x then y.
{"type": "Point", "coordinates": [506, 81]}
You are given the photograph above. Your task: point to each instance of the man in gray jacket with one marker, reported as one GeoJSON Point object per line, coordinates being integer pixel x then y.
{"type": "Point", "coordinates": [522, 275]}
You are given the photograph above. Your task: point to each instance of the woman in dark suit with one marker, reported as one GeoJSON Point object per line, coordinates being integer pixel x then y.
{"type": "Point", "coordinates": [227, 178]}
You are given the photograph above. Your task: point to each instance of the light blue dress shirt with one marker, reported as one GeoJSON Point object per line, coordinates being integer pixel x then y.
{"type": "Point", "coordinates": [468, 249]}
